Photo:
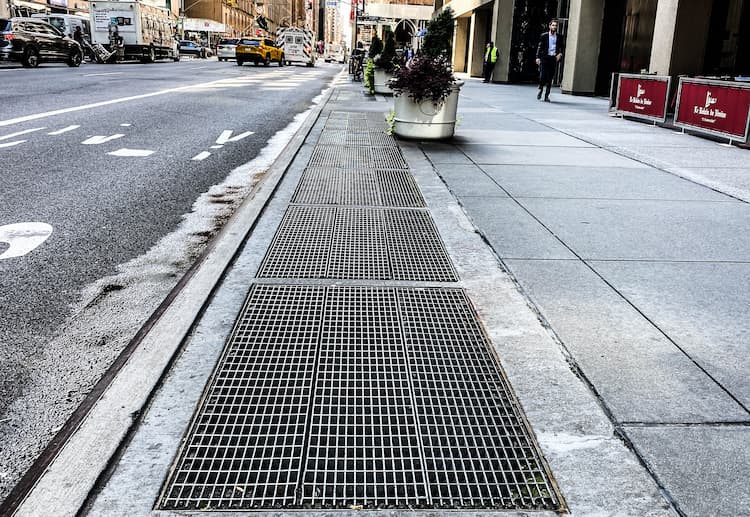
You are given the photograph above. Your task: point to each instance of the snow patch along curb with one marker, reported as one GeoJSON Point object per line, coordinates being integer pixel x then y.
{"type": "Point", "coordinates": [62, 482]}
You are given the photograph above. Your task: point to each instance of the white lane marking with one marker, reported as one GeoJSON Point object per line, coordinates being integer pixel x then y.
{"type": "Point", "coordinates": [108, 73]}
{"type": "Point", "coordinates": [241, 136]}
{"type": "Point", "coordinates": [23, 238]}
{"type": "Point", "coordinates": [224, 137]}
{"type": "Point", "coordinates": [11, 144]}
{"type": "Point", "coordinates": [99, 139]}
{"type": "Point", "coordinates": [201, 156]}
{"type": "Point", "coordinates": [36, 116]}
{"type": "Point", "coordinates": [131, 152]}
{"type": "Point", "coordinates": [19, 133]}
{"type": "Point", "coordinates": [197, 67]}
{"type": "Point", "coordinates": [125, 125]}
{"type": "Point", "coordinates": [216, 146]}
{"type": "Point", "coordinates": [63, 130]}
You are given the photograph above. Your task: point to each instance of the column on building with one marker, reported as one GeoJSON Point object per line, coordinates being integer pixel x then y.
{"type": "Point", "coordinates": [502, 35]}
{"type": "Point", "coordinates": [582, 52]}
{"type": "Point", "coordinates": [460, 40]}
{"type": "Point", "coordinates": [680, 36]}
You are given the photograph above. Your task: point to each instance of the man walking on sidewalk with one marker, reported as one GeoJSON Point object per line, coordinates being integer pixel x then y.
{"type": "Point", "coordinates": [490, 58]}
{"type": "Point", "coordinates": [548, 53]}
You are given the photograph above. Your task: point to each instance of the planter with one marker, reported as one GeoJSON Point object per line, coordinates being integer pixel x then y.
{"type": "Point", "coordinates": [381, 81]}
{"type": "Point", "coordinates": [425, 121]}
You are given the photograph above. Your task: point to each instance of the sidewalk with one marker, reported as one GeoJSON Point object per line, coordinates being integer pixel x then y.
{"type": "Point", "coordinates": [612, 291]}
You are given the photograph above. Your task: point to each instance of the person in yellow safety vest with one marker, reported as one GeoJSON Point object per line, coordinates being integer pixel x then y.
{"type": "Point", "coordinates": [490, 58]}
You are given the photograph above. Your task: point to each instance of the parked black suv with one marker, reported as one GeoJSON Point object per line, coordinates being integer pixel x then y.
{"type": "Point", "coordinates": [32, 41]}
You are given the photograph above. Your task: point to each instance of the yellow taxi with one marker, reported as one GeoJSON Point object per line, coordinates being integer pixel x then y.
{"type": "Point", "coordinates": [258, 51]}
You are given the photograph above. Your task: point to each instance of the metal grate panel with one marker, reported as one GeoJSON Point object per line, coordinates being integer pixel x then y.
{"type": "Point", "coordinates": [416, 251]}
{"type": "Point", "coordinates": [301, 246]}
{"type": "Point", "coordinates": [357, 157]}
{"type": "Point", "coordinates": [478, 451]}
{"type": "Point", "coordinates": [333, 397]}
{"type": "Point", "coordinates": [359, 246]}
{"type": "Point", "coordinates": [411, 248]}
{"type": "Point", "coordinates": [365, 187]}
{"type": "Point", "coordinates": [246, 442]}
{"type": "Point", "coordinates": [369, 138]}
{"type": "Point", "coordinates": [364, 448]}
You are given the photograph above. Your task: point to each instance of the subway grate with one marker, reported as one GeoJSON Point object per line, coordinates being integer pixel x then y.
{"type": "Point", "coordinates": [478, 450]}
{"type": "Point", "coordinates": [357, 157]}
{"type": "Point", "coordinates": [364, 187]}
{"type": "Point", "coordinates": [405, 243]}
{"type": "Point", "coordinates": [379, 397]}
{"type": "Point", "coordinates": [245, 444]}
{"type": "Point", "coordinates": [364, 448]}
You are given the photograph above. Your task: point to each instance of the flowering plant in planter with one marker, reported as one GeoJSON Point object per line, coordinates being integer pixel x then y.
{"type": "Point", "coordinates": [426, 99]}
{"type": "Point", "coordinates": [425, 78]}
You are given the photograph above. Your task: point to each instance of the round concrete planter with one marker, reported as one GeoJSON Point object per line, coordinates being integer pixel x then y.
{"type": "Point", "coordinates": [425, 121]}
{"type": "Point", "coordinates": [381, 81]}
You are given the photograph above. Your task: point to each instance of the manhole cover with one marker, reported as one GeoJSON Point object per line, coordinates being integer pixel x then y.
{"type": "Point", "coordinates": [365, 187]}
{"type": "Point", "coordinates": [357, 243]}
{"type": "Point", "coordinates": [333, 397]}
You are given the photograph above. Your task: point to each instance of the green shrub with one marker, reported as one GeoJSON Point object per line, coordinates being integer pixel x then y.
{"type": "Point", "coordinates": [376, 47]}
{"type": "Point", "coordinates": [426, 78]}
{"type": "Point", "coordinates": [388, 59]}
{"type": "Point", "coordinates": [369, 80]}
{"type": "Point", "coordinates": [439, 38]}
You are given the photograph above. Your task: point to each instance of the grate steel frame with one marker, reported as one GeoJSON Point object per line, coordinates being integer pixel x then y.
{"type": "Point", "coordinates": [361, 187]}
{"type": "Point", "coordinates": [245, 444]}
{"type": "Point", "coordinates": [368, 397]}
{"type": "Point", "coordinates": [358, 157]}
{"type": "Point", "coordinates": [304, 245]}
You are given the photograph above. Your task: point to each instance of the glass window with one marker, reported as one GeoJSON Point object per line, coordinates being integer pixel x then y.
{"type": "Point", "coordinates": [299, 40]}
{"type": "Point", "coordinates": [57, 23]}
{"type": "Point", "coordinates": [4, 25]}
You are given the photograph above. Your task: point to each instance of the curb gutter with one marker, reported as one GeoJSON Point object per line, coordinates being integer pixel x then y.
{"type": "Point", "coordinates": [60, 480]}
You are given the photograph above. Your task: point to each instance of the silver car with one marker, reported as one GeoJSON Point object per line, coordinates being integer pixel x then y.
{"type": "Point", "coordinates": [226, 49]}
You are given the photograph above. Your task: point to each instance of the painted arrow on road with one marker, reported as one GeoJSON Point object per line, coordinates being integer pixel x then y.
{"type": "Point", "coordinates": [23, 238]}
{"type": "Point", "coordinates": [99, 139]}
{"type": "Point", "coordinates": [226, 136]}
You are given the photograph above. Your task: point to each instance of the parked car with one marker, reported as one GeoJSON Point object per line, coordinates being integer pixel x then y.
{"type": "Point", "coordinates": [258, 51]}
{"type": "Point", "coordinates": [192, 48]}
{"type": "Point", "coordinates": [227, 48]}
{"type": "Point", "coordinates": [31, 41]}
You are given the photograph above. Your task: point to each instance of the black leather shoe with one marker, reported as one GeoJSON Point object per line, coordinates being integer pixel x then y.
{"type": "Point", "coordinates": [546, 99]}
{"type": "Point", "coordinates": [539, 95]}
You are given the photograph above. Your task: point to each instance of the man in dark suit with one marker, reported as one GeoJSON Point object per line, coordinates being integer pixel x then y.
{"type": "Point", "coordinates": [548, 53]}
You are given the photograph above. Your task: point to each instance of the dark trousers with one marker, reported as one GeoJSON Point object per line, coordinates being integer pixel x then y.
{"type": "Point", "coordinates": [547, 73]}
{"type": "Point", "coordinates": [488, 67]}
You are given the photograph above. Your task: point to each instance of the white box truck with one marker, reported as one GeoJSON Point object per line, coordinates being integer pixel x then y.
{"type": "Point", "coordinates": [134, 30]}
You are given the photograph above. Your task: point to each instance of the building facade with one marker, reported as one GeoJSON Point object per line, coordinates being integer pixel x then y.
{"type": "Point", "coordinates": [669, 37]}
{"type": "Point", "coordinates": [404, 17]}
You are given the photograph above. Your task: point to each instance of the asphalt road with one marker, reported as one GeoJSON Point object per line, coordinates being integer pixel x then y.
{"type": "Point", "coordinates": [120, 238]}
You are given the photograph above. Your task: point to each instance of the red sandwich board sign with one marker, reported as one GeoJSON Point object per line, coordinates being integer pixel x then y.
{"type": "Point", "coordinates": [720, 108]}
{"type": "Point", "coordinates": [643, 96]}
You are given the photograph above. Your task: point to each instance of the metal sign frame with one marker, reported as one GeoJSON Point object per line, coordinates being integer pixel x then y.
{"type": "Point", "coordinates": [630, 114]}
{"type": "Point", "coordinates": [698, 129]}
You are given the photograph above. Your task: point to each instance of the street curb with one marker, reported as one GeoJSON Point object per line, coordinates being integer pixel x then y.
{"type": "Point", "coordinates": [60, 480]}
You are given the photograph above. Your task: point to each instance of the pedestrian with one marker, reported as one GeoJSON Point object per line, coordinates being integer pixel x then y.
{"type": "Point", "coordinates": [78, 35]}
{"type": "Point", "coordinates": [490, 58]}
{"type": "Point", "coordinates": [548, 53]}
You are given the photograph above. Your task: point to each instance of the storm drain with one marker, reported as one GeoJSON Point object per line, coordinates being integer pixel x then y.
{"type": "Point", "coordinates": [357, 243]}
{"type": "Point", "coordinates": [357, 157]}
{"type": "Point", "coordinates": [339, 397]}
{"type": "Point", "coordinates": [364, 187]}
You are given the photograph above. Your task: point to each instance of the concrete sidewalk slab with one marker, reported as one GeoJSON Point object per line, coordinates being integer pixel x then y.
{"type": "Point", "coordinates": [648, 230]}
{"type": "Point", "coordinates": [469, 180]}
{"type": "Point", "coordinates": [706, 469]}
{"type": "Point", "coordinates": [702, 306]}
{"type": "Point", "coordinates": [596, 183]}
{"type": "Point", "coordinates": [639, 373]}
{"type": "Point", "coordinates": [517, 137]}
{"type": "Point", "coordinates": [514, 232]}
{"type": "Point", "coordinates": [544, 155]}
